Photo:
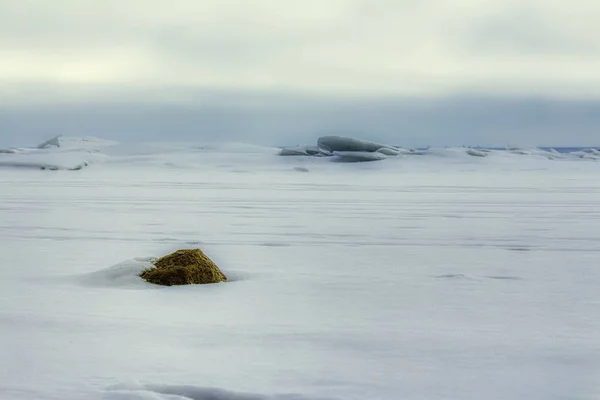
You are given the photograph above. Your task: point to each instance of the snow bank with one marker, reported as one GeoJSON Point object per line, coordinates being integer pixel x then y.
{"type": "Point", "coordinates": [549, 154]}
{"type": "Point", "coordinates": [388, 151]}
{"type": "Point", "coordinates": [75, 142]}
{"type": "Point", "coordinates": [508, 154]}
{"type": "Point", "coordinates": [125, 275]}
{"type": "Point", "coordinates": [355, 150]}
{"type": "Point", "coordinates": [303, 151]}
{"type": "Point", "coordinates": [73, 153]}
{"type": "Point", "coordinates": [477, 153]}
{"type": "Point", "coordinates": [238, 147]}
{"type": "Point", "coordinates": [340, 143]}
{"type": "Point", "coordinates": [58, 153]}
{"type": "Point", "coordinates": [344, 149]}
{"type": "Point", "coordinates": [187, 392]}
{"type": "Point", "coordinates": [53, 162]}
{"type": "Point", "coordinates": [358, 156]}
{"type": "Point", "coordinates": [52, 158]}
{"type": "Point", "coordinates": [458, 153]}
{"type": "Point", "coordinates": [589, 154]}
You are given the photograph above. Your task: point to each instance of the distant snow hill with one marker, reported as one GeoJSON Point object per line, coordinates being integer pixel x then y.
{"type": "Point", "coordinates": [75, 142]}
{"type": "Point", "coordinates": [76, 153]}
{"type": "Point", "coordinates": [58, 153]}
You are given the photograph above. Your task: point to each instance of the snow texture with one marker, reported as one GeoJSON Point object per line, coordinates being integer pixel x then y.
{"type": "Point", "coordinates": [440, 276]}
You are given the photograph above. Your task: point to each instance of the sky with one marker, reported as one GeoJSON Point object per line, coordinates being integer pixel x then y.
{"type": "Point", "coordinates": [413, 72]}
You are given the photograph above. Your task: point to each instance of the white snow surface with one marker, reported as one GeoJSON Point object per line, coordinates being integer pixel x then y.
{"type": "Point", "coordinates": [442, 276]}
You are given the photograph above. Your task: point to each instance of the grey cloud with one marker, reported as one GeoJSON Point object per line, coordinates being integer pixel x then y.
{"type": "Point", "coordinates": [277, 119]}
{"type": "Point", "coordinates": [526, 31]}
{"type": "Point", "coordinates": [352, 47]}
{"type": "Point", "coordinates": [285, 71]}
{"type": "Point", "coordinates": [215, 48]}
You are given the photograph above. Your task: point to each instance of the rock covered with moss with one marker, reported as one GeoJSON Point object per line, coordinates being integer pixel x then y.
{"type": "Point", "coordinates": [184, 267]}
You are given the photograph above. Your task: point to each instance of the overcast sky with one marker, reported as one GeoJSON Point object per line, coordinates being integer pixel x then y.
{"type": "Point", "coordinates": [415, 71]}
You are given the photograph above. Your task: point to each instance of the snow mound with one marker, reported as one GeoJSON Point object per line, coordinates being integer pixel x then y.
{"type": "Point", "coordinates": [303, 151]}
{"type": "Point", "coordinates": [238, 147]}
{"type": "Point", "coordinates": [388, 151]}
{"type": "Point", "coordinates": [346, 149]}
{"type": "Point", "coordinates": [43, 162]}
{"type": "Point", "coordinates": [477, 153]}
{"type": "Point", "coordinates": [133, 391]}
{"type": "Point", "coordinates": [125, 275]}
{"type": "Point", "coordinates": [75, 142]}
{"type": "Point", "coordinates": [595, 152]}
{"type": "Point", "coordinates": [59, 153]}
{"type": "Point", "coordinates": [453, 276]}
{"type": "Point", "coordinates": [549, 154]}
{"type": "Point", "coordinates": [340, 143]}
{"type": "Point", "coordinates": [448, 152]}
{"type": "Point", "coordinates": [590, 154]}
{"type": "Point", "coordinates": [75, 153]}
{"type": "Point", "coordinates": [409, 152]}
{"type": "Point", "coordinates": [358, 156]}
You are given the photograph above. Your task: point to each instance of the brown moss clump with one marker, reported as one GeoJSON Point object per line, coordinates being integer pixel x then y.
{"type": "Point", "coordinates": [184, 267]}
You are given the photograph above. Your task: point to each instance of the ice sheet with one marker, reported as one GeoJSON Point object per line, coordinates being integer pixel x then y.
{"type": "Point", "coordinates": [412, 278]}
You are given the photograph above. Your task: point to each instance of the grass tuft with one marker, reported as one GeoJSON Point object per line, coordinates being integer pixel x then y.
{"type": "Point", "coordinates": [184, 267]}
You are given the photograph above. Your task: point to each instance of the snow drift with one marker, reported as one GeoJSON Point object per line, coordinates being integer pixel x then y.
{"type": "Point", "coordinates": [189, 392]}
{"type": "Point", "coordinates": [126, 274]}
{"type": "Point", "coordinates": [358, 156]}
{"type": "Point", "coordinates": [74, 154]}
{"type": "Point", "coordinates": [63, 142]}
{"type": "Point", "coordinates": [346, 149]}
{"type": "Point", "coordinates": [346, 144]}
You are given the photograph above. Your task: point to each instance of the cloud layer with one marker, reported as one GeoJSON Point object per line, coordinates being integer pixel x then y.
{"type": "Point", "coordinates": [280, 120]}
{"type": "Point", "coordinates": [334, 47]}
{"type": "Point", "coordinates": [427, 72]}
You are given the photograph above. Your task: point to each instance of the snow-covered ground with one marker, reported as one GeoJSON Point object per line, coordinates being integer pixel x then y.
{"type": "Point", "coordinates": [444, 276]}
